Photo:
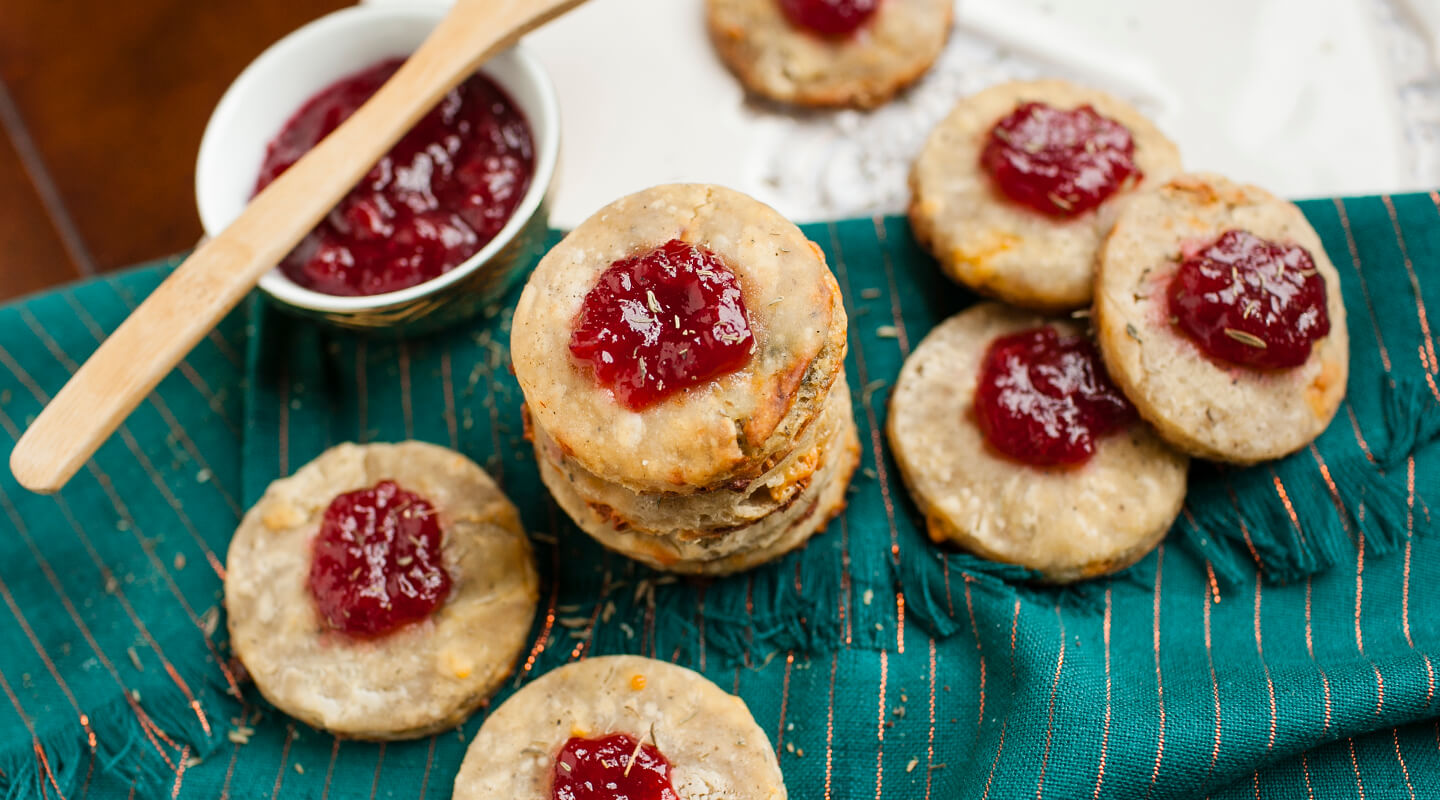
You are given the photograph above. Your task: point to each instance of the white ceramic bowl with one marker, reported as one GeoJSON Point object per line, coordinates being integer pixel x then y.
{"type": "Point", "coordinates": [273, 88]}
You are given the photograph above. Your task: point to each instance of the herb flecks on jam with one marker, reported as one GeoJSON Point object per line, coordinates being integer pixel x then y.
{"type": "Point", "coordinates": [661, 322]}
{"type": "Point", "coordinates": [829, 17]}
{"type": "Point", "coordinates": [615, 767]}
{"type": "Point", "coordinates": [377, 562]}
{"type": "Point", "coordinates": [439, 196]}
{"type": "Point", "coordinates": [1059, 162]}
{"type": "Point", "coordinates": [1045, 400]}
{"type": "Point", "coordinates": [1250, 301]}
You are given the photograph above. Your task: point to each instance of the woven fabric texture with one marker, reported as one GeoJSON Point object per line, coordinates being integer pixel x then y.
{"type": "Point", "coordinates": [1282, 642]}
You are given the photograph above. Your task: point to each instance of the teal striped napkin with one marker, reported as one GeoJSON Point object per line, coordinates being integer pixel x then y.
{"type": "Point", "coordinates": [1282, 642]}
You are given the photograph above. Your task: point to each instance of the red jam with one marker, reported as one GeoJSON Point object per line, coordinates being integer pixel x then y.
{"type": "Point", "coordinates": [377, 561]}
{"type": "Point", "coordinates": [611, 768]}
{"type": "Point", "coordinates": [1251, 301]}
{"type": "Point", "coordinates": [1060, 163]}
{"type": "Point", "coordinates": [442, 193]}
{"type": "Point", "coordinates": [661, 322]}
{"type": "Point", "coordinates": [1044, 400]}
{"type": "Point", "coordinates": [829, 17]}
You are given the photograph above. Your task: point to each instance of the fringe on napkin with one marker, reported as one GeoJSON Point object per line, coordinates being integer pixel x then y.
{"type": "Point", "coordinates": [1305, 513]}
{"type": "Point", "coordinates": [747, 618]}
{"type": "Point", "coordinates": [935, 583]}
{"type": "Point", "coordinates": [1292, 518]}
{"type": "Point", "coordinates": [142, 740]}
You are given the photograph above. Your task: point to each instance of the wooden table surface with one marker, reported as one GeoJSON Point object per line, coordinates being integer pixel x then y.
{"type": "Point", "coordinates": [101, 109]}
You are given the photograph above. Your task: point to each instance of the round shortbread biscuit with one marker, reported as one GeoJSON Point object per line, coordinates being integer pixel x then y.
{"type": "Point", "coordinates": [1068, 523]}
{"type": "Point", "coordinates": [768, 538]}
{"type": "Point", "coordinates": [716, 512]}
{"type": "Point", "coordinates": [1208, 408]}
{"type": "Point", "coordinates": [715, 749]}
{"type": "Point", "coordinates": [422, 678]}
{"type": "Point", "coordinates": [999, 247]}
{"type": "Point", "coordinates": [776, 59]}
{"type": "Point", "coordinates": [722, 430]}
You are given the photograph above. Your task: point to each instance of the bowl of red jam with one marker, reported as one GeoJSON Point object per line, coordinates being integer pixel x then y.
{"type": "Point", "coordinates": [442, 226]}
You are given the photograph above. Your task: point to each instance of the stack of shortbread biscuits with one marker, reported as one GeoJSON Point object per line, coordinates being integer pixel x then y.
{"type": "Point", "coordinates": [731, 472]}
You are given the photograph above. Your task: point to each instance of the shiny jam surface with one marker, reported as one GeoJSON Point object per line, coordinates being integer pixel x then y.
{"type": "Point", "coordinates": [442, 193]}
{"type": "Point", "coordinates": [661, 322]}
{"type": "Point", "coordinates": [829, 17]}
{"type": "Point", "coordinates": [1060, 163]}
{"type": "Point", "coordinates": [601, 769]}
{"type": "Point", "coordinates": [377, 562]}
{"type": "Point", "coordinates": [1250, 301]}
{"type": "Point", "coordinates": [1045, 400]}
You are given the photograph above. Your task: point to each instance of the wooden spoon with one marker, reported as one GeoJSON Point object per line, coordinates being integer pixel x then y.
{"type": "Point", "coordinates": [192, 301]}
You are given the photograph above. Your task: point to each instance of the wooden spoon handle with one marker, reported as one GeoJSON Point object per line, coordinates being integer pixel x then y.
{"type": "Point", "coordinates": [193, 299]}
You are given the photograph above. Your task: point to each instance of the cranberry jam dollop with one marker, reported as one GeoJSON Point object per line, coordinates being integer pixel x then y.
{"type": "Point", "coordinates": [829, 17]}
{"type": "Point", "coordinates": [661, 322]}
{"type": "Point", "coordinates": [440, 194]}
{"type": "Point", "coordinates": [1043, 399]}
{"type": "Point", "coordinates": [1060, 163]}
{"type": "Point", "coordinates": [1250, 301]}
{"type": "Point", "coordinates": [377, 564]}
{"type": "Point", "coordinates": [601, 769]}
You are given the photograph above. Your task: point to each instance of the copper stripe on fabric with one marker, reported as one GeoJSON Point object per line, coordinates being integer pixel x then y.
{"type": "Point", "coordinates": [1285, 500]}
{"type": "Point", "coordinates": [880, 728]}
{"type": "Point", "coordinates": [379, 762]}
{"type": "Point", "coordinates": [846, 587]}
{"type": "Point", "coordinates": [1360, 582]}
{"type": "Point", "coordinates": [1364, 285]}
{"type": "Point", "coordinates": [896, 313]}
{"type": "Point", "coordinates": [1159, 683]}
{"type": "Point", "coordinates": [284, 759]}
{"type": "Point", "coordinates": [975, 629]}
{"type": "Point", "coordinates": [1050, 718]}
{"type": "Point", "coordinates": [830, 724]}
{"type": "Point", "coordinates": [784, 705]}
{"type": "Point", "coordinates": [1105, 735]}
{"type": "Point", "coordinates": [1379, 690]}
{"type": "Point", "coordinates": [407, 409]}
{"type": "Point", "coordinates": [1269, 684]}
{"type": "Point", "coordinates": [362, 397]}
{"type": "Point", "coordinates": [180, 772]}
{"type": "Point", "coordinates": [1409, 539]}
{"type": "Point", "coordinates": [584, 644]}
{"type": "Point", "coordinates": [1214, 684]}
{"type": "Point", "coordinates": [1335, 498]}
{"type": "Point", "coordinates": [1404, 769]}
{"type": "Point", "coordinates": [1005, 722]}
{"type": "Point", "coordinates": [542, 639]}
{"type": "Point", "coordinates": [700, 623]}
{"type": "Point", "coordinates": [329, 769]}
{"type": "Point", "coordinates": [1359, 437]}
{"type": "Point", "coordinates": [429, 764]}
{"type": "Point", "coordinates": [1305, 768]}
{"type": "Point", "coordinates": [447, 382]}
{"type": "Point", "coordinates": [930, 734]}
{"type": "Point", "coordinates": [871, 420]}
{"type": "Point", "coordinates": [1427, 358]}
{"type": "Point", "coordinates": [1355, 765]}
{"type": "Point", "coordinates": [282, 444]}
